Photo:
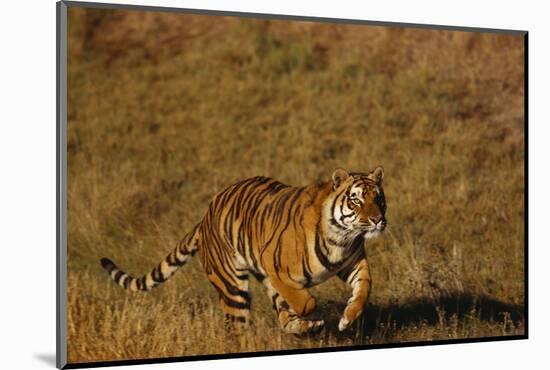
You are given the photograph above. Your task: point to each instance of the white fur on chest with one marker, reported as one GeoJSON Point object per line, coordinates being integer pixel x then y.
{"type": "Point", "coordinates": [336, 254]}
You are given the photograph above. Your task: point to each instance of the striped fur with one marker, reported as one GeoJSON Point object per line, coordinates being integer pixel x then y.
{"type": "Point", "coordinates": [289, 238]}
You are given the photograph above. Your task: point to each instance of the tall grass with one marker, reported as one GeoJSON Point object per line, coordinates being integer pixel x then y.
{"type": "Point", "coordinates": [165, 110]}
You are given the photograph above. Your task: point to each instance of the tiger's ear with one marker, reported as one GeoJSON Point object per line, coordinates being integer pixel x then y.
{"type": "Point", "coordinates": [377, 175]}
{"type": "Point", "coordinates": [338, 177]}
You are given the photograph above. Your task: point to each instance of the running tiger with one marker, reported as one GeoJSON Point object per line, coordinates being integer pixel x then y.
{"type": "Point", "coordinates": [289, 238]}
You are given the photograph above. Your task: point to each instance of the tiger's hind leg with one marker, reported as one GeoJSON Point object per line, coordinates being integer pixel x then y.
{"type": "Point", "coordinates": [235, 298]}
{"type": "Point", "coordinates": [226, 274]}
{"type": "Point", "coordinates": [291, 316]}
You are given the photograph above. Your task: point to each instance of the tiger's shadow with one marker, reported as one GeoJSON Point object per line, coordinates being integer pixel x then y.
{"type": "Point", "coordinates": [418, 311]}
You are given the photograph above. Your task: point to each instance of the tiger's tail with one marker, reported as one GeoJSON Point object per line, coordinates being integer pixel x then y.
{"type": "Point", "coordinates": [184, 250]}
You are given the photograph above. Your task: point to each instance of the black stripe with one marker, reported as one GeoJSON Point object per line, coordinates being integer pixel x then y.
{"type": "Point", "coordinates": [289, 214]}
{"type": "Point", "coordinates": [107, 264]}
{"type": "Point", "coordinates": [171, 259]}
{"type": "Point", "coordinates": [275, 220]}
{"type": "Point", "coordinates": [333, 222]}
{"type": "Point", "coordinates": [231, 288]}
{"type": "Point", "coordinates": [240, 240]}
{"type": "Point", "coordinates": [240, 319]}
{"type": "Point", "coordinates": [332, 241]}
{"type": "Point", "coordinates": [342, 215]}
{"type": "Point", "coordinates": [333, 206]}
{"type": "Point", "coordinates": [270, 190]}
{"type": "Point", "coordinates": [237, 204]}
{"type": "Point", "coordinates": [321, 256]}
{"type": "Point", "coordinates": [154, 275]}
{"type": "Point", "coordinates": [307, 275]}
{"type": "Point", "coordinates": [274, 301]}
{"type": "Point", "coordinates": [251, 254]}
{"type": "Point", "coordinates": [176, 263]}
{"type": "Point", "coordinates": [290, 276]}
{"type": "Point", "coordinates": [233, 318]}
{"type": "Point", "coordinates": [118, 275]}
{"type": "Point", "coordinates": [255, 192]}
{"type": "Point", "coordinates": [234, 304]}
{"type": "Point", "coordinates": [157, 275]}
{"type": "Point", "coordinates": [275, 187]}
{"type": "Point", "coordinates": [257, 275]}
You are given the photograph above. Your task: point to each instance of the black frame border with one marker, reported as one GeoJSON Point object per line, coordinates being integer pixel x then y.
{"type": "Point", "coordinates": [163, 360]}
{"type": "Point", "coordinates": [61, 171]}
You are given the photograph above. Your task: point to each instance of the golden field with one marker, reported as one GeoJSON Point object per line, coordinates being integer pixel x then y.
{"type": "Point", "coordinates": [165, 110]}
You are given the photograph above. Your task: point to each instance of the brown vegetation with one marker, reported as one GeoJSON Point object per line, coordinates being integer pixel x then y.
{"type": "Point", "coordinates": [165, 110]}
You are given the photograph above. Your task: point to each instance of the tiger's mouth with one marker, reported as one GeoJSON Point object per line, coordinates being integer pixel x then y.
{"type": "Point", "coordinates": [374, 230]}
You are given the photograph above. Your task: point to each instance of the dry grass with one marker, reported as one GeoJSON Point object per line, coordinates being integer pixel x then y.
{"type": "Point", "coordinates": [166, 110]}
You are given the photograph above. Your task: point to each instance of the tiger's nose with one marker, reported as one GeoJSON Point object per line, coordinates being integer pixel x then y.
{"type": "Point", "coordinates": [375, 219]}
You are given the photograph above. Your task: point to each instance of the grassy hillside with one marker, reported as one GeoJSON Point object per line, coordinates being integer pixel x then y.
{"type": "Point", "coordinates": [165, 110]}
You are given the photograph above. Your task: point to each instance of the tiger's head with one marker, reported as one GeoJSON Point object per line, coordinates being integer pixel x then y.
{"type": "Point", "coordinates": [356, 204]}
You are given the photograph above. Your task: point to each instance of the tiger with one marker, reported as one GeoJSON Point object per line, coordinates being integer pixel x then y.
{"type": "Point", "coordinates": [288, 238]}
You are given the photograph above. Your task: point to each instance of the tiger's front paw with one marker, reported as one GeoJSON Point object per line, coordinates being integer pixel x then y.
{"type": "Point", "coordinates": [343, 324]}
{"type": "Point", "coordinates": [352, 312]}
